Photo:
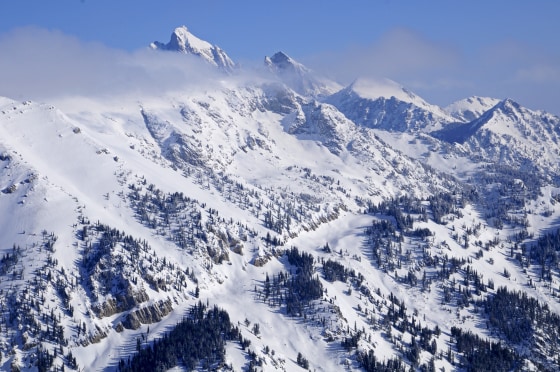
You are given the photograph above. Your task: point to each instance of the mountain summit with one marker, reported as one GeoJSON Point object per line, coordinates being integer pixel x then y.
{"type": "Point", "coordinates": [183, 41]}
{"type": "Point", "coordinates": [298, 77]}
{"type": "Point", "coordinates": [281, 62]}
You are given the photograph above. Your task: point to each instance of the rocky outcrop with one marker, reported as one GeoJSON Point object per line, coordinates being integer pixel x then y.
{"type": "Point", "coordinates": [147, 315]}
{"type": "Point", "coordinates": [121, 302]}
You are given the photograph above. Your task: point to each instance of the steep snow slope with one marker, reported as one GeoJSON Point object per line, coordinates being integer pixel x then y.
{"type": "Point", "coordinates": [222, 148]}
{"type": "Point", "coordinates": [471, 108]}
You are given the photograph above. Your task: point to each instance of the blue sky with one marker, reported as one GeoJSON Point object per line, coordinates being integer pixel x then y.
{"type": "Point", "coordinates": [442, 49]}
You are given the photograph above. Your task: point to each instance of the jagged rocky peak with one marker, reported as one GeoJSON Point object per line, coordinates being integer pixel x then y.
{"type": "Point", "coordinates": [281, 62]}
{"type": "Point", "coordinates": [183, 41]}
{"type": "Point", "coordinates": [509, 106]}
{"type": "Point", "coordinates": [508, 110]}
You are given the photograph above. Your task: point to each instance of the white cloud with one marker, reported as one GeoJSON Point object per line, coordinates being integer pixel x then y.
{"type": "Point", "coordinates": [399, 52]}
{"type": "Point", "coordinates": [40, 64]}
{"type": "Point", "coordinates": [539, 73]}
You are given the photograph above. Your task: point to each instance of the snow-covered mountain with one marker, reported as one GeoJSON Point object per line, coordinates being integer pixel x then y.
{"type": "Point", "coordinates": [384, 104]}
{"type": "Point", "coordinates": [361, 229]}
{"type": "Point", "coordinates": [300, 78]}
{"type": "Point", "coordinates": [183, 41]}
{"type": "Point", "coordinates": [511, 134]}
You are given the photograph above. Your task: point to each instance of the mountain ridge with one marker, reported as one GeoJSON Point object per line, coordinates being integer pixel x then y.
{"type": "Point", "coordinates": [383, 104]}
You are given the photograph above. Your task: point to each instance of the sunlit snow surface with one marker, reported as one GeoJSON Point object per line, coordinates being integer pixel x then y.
{"type": "Point", "coordinates": [77, 158]}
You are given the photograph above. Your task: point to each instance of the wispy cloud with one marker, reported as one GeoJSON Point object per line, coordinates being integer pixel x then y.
{"type": "Point", "coordinates": [41, 64]}
{"type": "Point", "coordinates": [398, 52]}
{"type": "Point", "coordinates": [539, 73]}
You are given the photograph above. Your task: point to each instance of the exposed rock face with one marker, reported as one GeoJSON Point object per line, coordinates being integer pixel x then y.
{"type": "Point", "coordinates": [120, 303]}
{"type": "Point", "coordinates": [148, 315]}
{"type": "Point", "coordinates": [98, 336]}
{"type": "Point", "coordinates": [261, 261]}
{"type": "Point", "coordinates": [95, 337]}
